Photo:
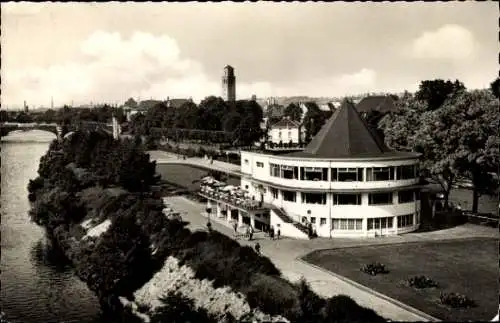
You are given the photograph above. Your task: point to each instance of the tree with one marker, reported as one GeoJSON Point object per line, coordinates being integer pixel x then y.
{"type": "Point", "coordinates": [413, 128]}
{"type": "Point", "coordinates": [475, 120]}
{"type": "Point", "coordinates": [131, 103]}
{"type": "Point", "coordinates": [293, 111]}
{"type": "Point", "coordinates": [495, 87]}
{"type": "Point", "coordinates": [435, 92]}
{"type": "Point", "coordinates": [399, 127]}
{"type": "Point", "coordinates": [313, 120]}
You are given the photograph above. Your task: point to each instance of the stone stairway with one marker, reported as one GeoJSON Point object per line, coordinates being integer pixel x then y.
{"type": "Point", "coordinates": [287, 219]}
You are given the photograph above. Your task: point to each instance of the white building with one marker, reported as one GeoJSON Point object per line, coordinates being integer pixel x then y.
{"type": "Point", "coordinates": [286, 131]}
{"type": "Point", "coordinates": [346, 183]}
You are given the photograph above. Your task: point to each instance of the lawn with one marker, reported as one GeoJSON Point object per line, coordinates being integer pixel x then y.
{"type": "Point", "coordinates": [184, 175]}
{"type": "Point", "coordinates": [468, 267]}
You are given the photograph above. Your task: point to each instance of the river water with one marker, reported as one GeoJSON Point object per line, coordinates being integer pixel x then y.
{"type": "Point", "coordinates": [36, 284]}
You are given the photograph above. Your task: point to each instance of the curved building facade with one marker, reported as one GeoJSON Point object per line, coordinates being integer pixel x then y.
{"type": "Point", "coordinates": [346, 183]}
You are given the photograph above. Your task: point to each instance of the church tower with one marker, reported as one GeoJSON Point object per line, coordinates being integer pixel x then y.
{"type": "Point", "coordinates": [229, 84]}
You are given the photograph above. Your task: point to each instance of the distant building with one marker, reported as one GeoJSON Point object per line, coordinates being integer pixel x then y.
{"type": "Point", "coordinates": [286, 131]}
{"type": "Point", "coordinates": [272, 109]}
{"type": "Point", "coordinates": [26, 109]}
{"type": "Point", "coordinates": [380, 103]}
{"type": "Point", "coordinates": [229, 84]}
{"type": "Point", "coordinates": [254, 98]}
{"type": "Point", "coordinates": [176, 103]}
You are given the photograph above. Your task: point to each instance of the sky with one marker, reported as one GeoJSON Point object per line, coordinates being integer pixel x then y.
{"type": "Point", "coordinates": [108, 52]}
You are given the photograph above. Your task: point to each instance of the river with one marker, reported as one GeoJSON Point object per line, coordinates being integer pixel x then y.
{"type": "Point", "coordinates": [37, 284]}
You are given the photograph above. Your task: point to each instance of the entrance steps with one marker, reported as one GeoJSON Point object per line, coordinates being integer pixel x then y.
{"type": "Point", "coordinates": [288, 227]}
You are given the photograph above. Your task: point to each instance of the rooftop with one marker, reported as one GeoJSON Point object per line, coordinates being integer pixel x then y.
{"type": "Point", "coordinates": [346, 135]}
{"type": "Point", "coordinates": [380, 103]}
{"type": "Point", "coordinates": [286, 123]}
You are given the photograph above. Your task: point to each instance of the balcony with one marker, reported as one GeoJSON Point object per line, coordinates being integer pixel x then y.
{"type": "Point", "coordinates": [232, 195]}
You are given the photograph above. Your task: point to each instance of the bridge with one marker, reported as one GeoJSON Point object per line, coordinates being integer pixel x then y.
{"type": "Point", "coordinates": [61, 130]}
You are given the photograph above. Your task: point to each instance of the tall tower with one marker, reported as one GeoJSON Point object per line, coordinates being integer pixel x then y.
{"type": "Point", "coordinates": [229, 84]}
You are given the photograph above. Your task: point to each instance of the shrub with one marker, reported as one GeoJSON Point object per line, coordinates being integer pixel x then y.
{"type": "Point", "coordinates": [456, 300]}
{"type": "Point", "coordinates": [342, 308]}
{"type": "Point", "coordinates": [273, 295]}
{"type": "Point", "coordinates": [374, 269]}
{"type": "Point", "coordinates": [177, 308]}
{"type": "Point", "coordinates": [421, 282]}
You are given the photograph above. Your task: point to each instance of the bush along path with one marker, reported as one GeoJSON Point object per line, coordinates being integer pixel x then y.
{"type": "Point", "coordinates": [93, 196]}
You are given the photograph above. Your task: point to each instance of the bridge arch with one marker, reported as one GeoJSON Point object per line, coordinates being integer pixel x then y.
{"type": "Point", "coordinates": [6, 128]}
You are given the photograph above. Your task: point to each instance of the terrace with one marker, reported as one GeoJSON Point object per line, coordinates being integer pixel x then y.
{"type": "Point", "coordinates": [230, 194]}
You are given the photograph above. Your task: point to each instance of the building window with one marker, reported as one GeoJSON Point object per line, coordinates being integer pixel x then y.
{"type": "Point", "coordinates": [406, 172]}
{"type": "Point", "coordinates": [289, 135]}
{"type": "Point", "coordinates": [246, 161]}
{"type": "Point", "coordinates": [314, 198]}
{"type": "Point", "coordinates": [260, 164]}
{"type": "Point", "coordinates": [379, 223]}
{"type": "Point", "coordinates": [313, 220]}
{"type": "Point", "coordinates": [406, 196]}
{"type": "Point", "coordinates": [380, 174]}
{"type": "Point", "coordinates": [347, 224]}
{"type": "Point", "coordinates": [274, 170]}
{"type": "Point", "coordinates": [289, 172]}
{"type": "Point", "coordinates": [322, 221]}
{"type": "Point", "coordinates": [405, 220]}
{"type": "Point", "coordinates": [379, 198]}
{"type": "Point", "coordinates": [274, 192]}
{"type": "Point", "coordinates": [289, 196]}
{"type": "Point", "coordinates": [279, 134]}
{"type": "Point", "coordinates": [246, 187]}
{"type": "Point", "coordinates": [347, 174]}
{"type": "Point", "coordinates": [313, 174]}
{"type": "Point", "coordinates": [346, 199]}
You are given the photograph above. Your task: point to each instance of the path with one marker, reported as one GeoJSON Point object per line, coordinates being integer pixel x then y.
{"type": "Point", "coordinates": [162, 157]}
{"type": "Point", "coordinates": [285, 253]}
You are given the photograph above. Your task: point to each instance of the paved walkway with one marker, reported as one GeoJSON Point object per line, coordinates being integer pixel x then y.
{"type": "Point", "coordinates": [162, 157]}
{"type": "Point", "coordinates": [285, 253]}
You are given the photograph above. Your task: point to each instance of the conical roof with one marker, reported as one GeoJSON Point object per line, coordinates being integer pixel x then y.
{"type": "Point", "coordinates": [345, 135]}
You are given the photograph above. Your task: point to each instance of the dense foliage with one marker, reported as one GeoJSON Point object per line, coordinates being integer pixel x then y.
{"type": "Point", "coordinates": [240, 119]}
{"type": "Point", "coordinates": [458, 139]}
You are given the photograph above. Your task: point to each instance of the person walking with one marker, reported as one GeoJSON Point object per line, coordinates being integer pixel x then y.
{"type": "Point", "coordinates": [250, 233]}
{"type": "Point", "coordinates": [209, 226]}
{"type": "Point", "coordinates": [257, 248]}
{"type": "Point", "coordinates": [271, 233]}
{"type": "Point", "coordinates": [279, 233]}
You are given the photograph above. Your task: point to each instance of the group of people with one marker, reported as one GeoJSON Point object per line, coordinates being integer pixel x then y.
{"type": "Point", "coordinates": [248, 233]}
{"type": "Point", "coordinates": [271, 232]}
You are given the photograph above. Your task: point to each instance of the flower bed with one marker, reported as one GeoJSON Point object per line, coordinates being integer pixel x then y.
{"type": "Point", "coordinates": [421, 282]}
{"type": "Point", "coordinates": [456, 300]}
{"type": "Point", "coordinates": [374, 269]}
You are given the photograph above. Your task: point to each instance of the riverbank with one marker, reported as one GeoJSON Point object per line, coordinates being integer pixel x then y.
{"type": "Point", "coordinates": [94, 196]}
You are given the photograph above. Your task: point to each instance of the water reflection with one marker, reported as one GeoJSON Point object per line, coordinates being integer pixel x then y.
{"type": "Point", "coordinates": [37, 283]}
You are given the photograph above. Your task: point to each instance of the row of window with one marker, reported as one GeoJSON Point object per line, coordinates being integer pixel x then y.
{"type": "Point", "coordinates": [372, 224]}
{"type": "Point", "coordinates": [405, 196]}
{"type": "Point", "coordinates": [347, 224]}
{"type": "Point", "coordinates": [343, 174]}
{"type": "Point", "coordinates": [405, 220]}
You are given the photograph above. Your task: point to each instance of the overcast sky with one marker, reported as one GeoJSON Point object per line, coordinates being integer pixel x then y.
{"type": "Point", "coordinates": [97, 52]}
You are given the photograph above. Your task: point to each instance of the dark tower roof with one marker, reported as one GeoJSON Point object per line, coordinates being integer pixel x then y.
{"type": "Point", "coordinates": [229, 67]}
{"type": "Point", "coordinates": [346, 135]}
